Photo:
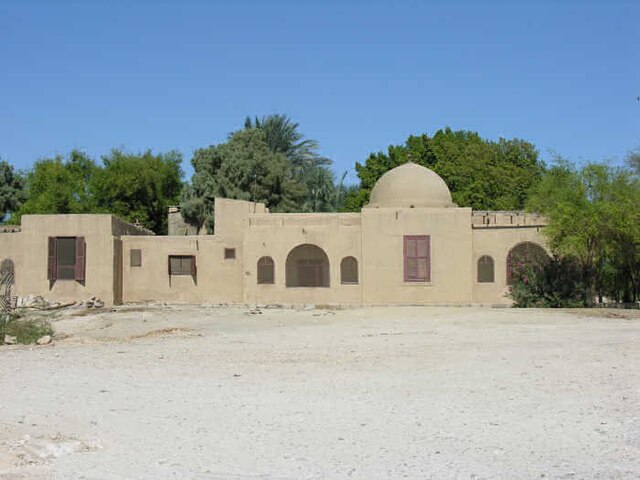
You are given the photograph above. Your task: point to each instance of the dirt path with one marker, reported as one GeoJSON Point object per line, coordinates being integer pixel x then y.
{"type": "Point", "coordinates": [409, 392]}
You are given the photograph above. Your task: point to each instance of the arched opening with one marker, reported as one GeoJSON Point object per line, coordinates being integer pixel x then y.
{"type": "Point", "coordinates": [525, 253]}
{"type": "Point", "coordinates": [307, 266]}
{"type": "Point", "coordinates": [486, 273]}
{"type": "Point", "coordinates": [349, 271]}
{"type": "Point", "coordinates": [266, 271]}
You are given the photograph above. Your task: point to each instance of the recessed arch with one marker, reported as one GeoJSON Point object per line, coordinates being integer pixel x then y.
{"type": "Point", "coordinates": [307, 265]}
{"type": "Point", "coordinates": [529, 253]}
{"type": "Point", "coordinates": [349, 271]}
{"type": "Point", "coordinates": [486, 269]}
{"type": "Point", "coordinates": [266, 271]}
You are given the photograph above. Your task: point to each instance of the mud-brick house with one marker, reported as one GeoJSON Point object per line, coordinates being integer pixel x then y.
{"type": "Point", "coordinates": [410, 245]}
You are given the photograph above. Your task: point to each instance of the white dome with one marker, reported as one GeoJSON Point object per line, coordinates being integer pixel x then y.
{"type": "Point", "coordinates": [410, 186]}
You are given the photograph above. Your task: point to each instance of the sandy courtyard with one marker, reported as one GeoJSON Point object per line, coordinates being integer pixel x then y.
{"type": "Point", "coordinates": [177, 392]}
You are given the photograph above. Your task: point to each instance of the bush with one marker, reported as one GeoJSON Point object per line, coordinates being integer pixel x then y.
{"type": "Point", "coordinates": [25, 330]}
{"type": "Point", "coordinates": [556, 283]}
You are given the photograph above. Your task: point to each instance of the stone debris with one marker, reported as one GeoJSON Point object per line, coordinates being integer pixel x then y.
{"type": "Point", "coordinates": [45, 340]}
{"type": "Point", "coordinates": [10, 340]}
{"type": "Point", "coordinates": [94, 302]}
{"type": "Point", "coordinates": [38, 302]}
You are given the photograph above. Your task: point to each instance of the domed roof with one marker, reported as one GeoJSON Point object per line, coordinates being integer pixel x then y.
{"type": "Point", "coordinates": [410, 186]}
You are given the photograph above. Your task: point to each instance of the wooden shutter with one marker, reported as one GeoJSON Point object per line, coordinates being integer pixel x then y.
{"type": "Point", "coordinates": [194, 270]}
{"type": "Point", "coordinates": [81, 259]}
{"type": "Point", "coordinates": [52, 268]}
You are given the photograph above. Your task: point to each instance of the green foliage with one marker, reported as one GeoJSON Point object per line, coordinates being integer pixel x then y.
{"type": "Point", "coordinates": [12, 192]}
{"type": "Point", "coordinates": [481, 174]}
{"type": "Point", "coordinates": [557, 283]}
{"type": "Point", "coordinates": [594, 219]}
{"type": "Point", "coordinates": [59, 185]}
{"type": "Point", "coordinates": [139, 187]}
{"type": "Point", "coordinates": [26, 331]}
{"type": "Point", "coordinates": [243, 168]}
{"type": "Point", "coordinates": [307, 166]}
{"type": "Point", "coordinates": [133, 187]}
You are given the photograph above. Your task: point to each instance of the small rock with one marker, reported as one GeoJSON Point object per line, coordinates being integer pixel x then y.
{"type": "Point", "coordinates": [98, 303]}
{"type": "Point", "coordinates": [45, 340]}
{"type": "Point", "coordinates": [10, 339]}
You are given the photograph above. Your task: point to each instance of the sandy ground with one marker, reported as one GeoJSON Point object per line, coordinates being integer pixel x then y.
{"type": "Point", "coordinates": [178, 392]}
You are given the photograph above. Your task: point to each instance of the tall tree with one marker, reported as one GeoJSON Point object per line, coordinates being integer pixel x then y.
{"type": "Point", "coordinates": [481, 174]}
{"type": "Point", "coordinates": [12, 192]}
{"type": "Point", "coordinates": [243, 168]}
{"type": "Point", "coordinates": [594, 218]}
{"type": "Point", "coordinates": [59, 185]}
{"type": "Point", "coordinates": [139, 187]}
{"type": "Point", "coordinates": [282, 135]}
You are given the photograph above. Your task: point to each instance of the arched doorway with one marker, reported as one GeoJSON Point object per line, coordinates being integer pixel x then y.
{"type": "Point", "coordinates": [307, 266]}
{"type": "Point", "coordinates": [525, 253]}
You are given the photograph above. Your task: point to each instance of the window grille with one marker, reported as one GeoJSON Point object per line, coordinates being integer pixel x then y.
{"type": "Point", "coordinates": [349, 271]}
{"type": "Point", "coordinates": [266, 273]}
{"type": "Point", "coordinates": [485, 269]}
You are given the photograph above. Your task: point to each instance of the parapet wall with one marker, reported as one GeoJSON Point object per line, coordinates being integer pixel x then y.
{"type": "Point", "coordinates": [506, 219]}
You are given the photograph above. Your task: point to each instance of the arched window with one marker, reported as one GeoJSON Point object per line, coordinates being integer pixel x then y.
{"type": "Point", "coordinates": [349, 271]}
{"type": "Point", "coordinates": [485, 269]}
{"type": "Point", "coordinates": [266, 273]}
{"type": "Point", "coordinates": [307, 266]}
{"type": "Point", "coordinates": [525, 253]}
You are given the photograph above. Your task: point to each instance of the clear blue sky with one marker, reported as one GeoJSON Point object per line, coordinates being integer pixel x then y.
{"type": "Point", "coordinates": [357, 76]}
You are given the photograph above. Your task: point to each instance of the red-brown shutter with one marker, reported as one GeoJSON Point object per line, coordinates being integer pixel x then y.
{"type": "Point", "coordinates": [194, 269]}
{"type": "Point", "coordinates": [52, 268]}
{"type": "Point", "coordinates": [428, 242]}
{"type": "Point", "coordinates": [81, 259]}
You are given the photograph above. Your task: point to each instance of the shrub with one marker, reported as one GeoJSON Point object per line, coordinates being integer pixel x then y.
{"type": "Point", "coordinates": [25, 330]}
{"type": "Point", "coordinates": [556, 283]}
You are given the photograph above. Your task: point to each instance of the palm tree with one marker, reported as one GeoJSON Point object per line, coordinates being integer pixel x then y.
{"type": "Point", "coordinates": [282, 136]}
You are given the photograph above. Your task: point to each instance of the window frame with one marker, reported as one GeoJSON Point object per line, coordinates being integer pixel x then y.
{"type": "Point", "coordinates": [342, 271]}
{"type": "Point", "coordinates": [79, 265]}
{"type": "Point", "coordinates": [270, 279]}
{"type": "Point", "coordinates": [135, 257]}
{"type": "Point", "coordinates": [191, 271]}
{"type": "Point", "coordinates": [407, 257]}
{"type": "Point", "coordinates": [490, 261]}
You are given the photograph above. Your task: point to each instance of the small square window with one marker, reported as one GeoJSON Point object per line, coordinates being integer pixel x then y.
{"type": "Point", "coordinates": [135, 257]}
{"type": "Point", "coordinates": [229, 253]}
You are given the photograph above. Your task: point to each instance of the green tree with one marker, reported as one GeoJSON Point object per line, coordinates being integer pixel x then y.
{"type": "Point", "coordinates": [12, 191]}
{"type": "Point", "coordinates": [594, 219]}
{"type": "Point", "coordinates": [243, 168]}
{"type": "Point", "coordinates": [282, 135]}
{"type": "Point", "coordinates": [481, 174]}
{"type": "Point", "coordinates": [139, 187]}
{"type": "Point", "coordinates": [59, 185]}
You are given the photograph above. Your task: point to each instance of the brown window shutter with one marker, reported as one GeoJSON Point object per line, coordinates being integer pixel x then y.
{"type": "Point", "coordinates": [81, 259]}
{"type": "Point", "coordinates": [194, 269]}
{"type": "Point", "coordinates": [52, 268]}
{"type": "Point", "coordinates": [428, 252]}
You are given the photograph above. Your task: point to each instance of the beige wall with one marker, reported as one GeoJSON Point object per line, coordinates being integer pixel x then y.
{"type": "Point", "coordinates": [383, 232]}
{"type": "Point", "coordinates": [459, 237]}
{"type": "Point", "coordinates": [496, 242]}
{"type": "Point", "coordinates": [99, 273]}
{"type": "Point", "coordinates": [275, 235]}
{"type": "Point", "coordinates": [231, 215]}
{"type": "Point", "coordinates": [218, 279]}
